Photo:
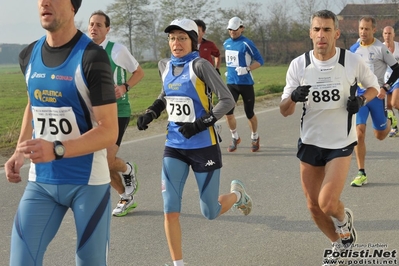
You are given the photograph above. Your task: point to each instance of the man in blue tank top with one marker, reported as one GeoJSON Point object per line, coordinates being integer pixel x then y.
{"type": "Point", "coordinates": [69, 121]}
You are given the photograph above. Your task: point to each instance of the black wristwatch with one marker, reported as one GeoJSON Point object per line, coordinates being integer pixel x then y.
{"type": "Point", "coordinates": [59, 150]}
{"type": "Point", "coordinates": [364, 100]}
{"type": "Point", "coordinates": [386, 87]}
{"type": "Point", "coordinates": [127, 86]}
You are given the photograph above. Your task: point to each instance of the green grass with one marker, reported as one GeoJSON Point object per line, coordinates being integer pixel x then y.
{"type": "Point", "coordinates": [268, 80]}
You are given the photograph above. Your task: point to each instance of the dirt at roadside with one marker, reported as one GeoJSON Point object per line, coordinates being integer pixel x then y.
{"type": "Point", "coordinates": [159, 126]}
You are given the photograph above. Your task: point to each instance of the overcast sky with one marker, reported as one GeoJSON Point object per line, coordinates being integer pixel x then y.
{"type": "Point", "coordinates": [19, 19]}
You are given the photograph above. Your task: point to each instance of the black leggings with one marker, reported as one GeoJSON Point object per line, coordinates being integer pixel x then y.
{"type": "Point", "coordinates": [247, 93]}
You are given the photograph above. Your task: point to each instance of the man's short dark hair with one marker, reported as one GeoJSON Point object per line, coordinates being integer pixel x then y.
{"type": "Point", "coordinates": [200, 23]}
{"type": "Point", "coordinates": [326, 14]}
{"type": "Point", "coordinates": [101, 13]}
{"type": "Point", "coordinates": [368, 19]}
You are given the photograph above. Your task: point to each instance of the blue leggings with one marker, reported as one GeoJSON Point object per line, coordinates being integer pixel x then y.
{"type": "Point", "coordinates": [39, 216]}
{"type": "Point", "coordinates": [174, 176]}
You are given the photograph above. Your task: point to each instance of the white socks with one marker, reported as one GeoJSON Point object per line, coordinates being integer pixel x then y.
{"type": "Point", "coordinates": [234, 133]}
{"type": "Point", "coordinates": [124, 196]}
{"type": "Point", "coordinates": [254, 135]}
{"type": "Point", "coordinates": [339, 223]}
{"type": "Point", "coordinates": [238, 194]}
{"type": "Point", "coordinates": [128, 169]}
{"type": "Point", "coordinates": [178, 263]}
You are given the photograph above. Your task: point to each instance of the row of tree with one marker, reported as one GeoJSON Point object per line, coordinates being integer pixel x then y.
{"type": "Point", "coordinates": [139, 24]}
{"type": "Point", "coordinates": [9, 53]}
{"type": "Point", "coordinates": [280, 29]}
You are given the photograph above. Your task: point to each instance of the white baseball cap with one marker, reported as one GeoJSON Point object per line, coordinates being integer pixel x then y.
{"type": "Point", "coordinates": [235, 23]}
{"type": "Point", "coordinates": [183, 24]}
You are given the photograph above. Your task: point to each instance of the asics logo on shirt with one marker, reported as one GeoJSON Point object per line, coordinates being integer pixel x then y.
{"type": "Point", "coordinates": [38, 75]}
{"type": "Point", "coordinates": [210, 163]}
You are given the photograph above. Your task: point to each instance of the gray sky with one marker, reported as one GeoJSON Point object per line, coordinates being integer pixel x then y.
{"type": "Point", "coordinates": [19, 19]}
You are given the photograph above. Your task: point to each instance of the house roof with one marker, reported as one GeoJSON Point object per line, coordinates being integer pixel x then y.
{"type": "Point", "coordinates": [385, 14]}
{"type": "Point", "coordinates": [375, 10]}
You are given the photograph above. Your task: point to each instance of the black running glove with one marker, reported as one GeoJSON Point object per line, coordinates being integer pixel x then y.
{"type": "Point", "coordinates": [190, 129]}
{"type": "Point", "coordinates": [354, 103]}
{"type": "Point", "coordinates": [300, 94]}
{"type": "Point", "coordinates": [154, 111]}
{"type": "Point", "coordinates": [144, 120]}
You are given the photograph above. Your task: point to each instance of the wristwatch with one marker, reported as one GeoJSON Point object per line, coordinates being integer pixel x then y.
{"type": "Point", "coordinates": [364, 100]}
{"type": "Point", "coordinates": [59, 150]}
{"type": "Point", "coordinates": [386, 87]}
{"type": "Point", "coordinates": [127, 86]}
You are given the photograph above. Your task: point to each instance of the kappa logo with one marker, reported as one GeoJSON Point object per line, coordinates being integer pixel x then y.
{"type": "Point", "coordinates": [210, 163]}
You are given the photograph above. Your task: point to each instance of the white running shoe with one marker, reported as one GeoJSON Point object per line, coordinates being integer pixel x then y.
{"type": "Point", "coordinates": [131, 182]}
{"type": "Point", "coordinates": [347, 231]}
{"type": "Point", "coordinates": [124, 206]}
{"type": "Point", "coordinates": [245, 203]}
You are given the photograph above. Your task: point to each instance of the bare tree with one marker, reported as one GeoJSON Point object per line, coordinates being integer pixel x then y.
{"type": "Point", "coordinates": [252, 14]}
{"type": "Point", "coordinates": [278, 32]}
{"type": "Point", "coordinates": [178, 9]}
{"type": "Point", "coordinates": [305, 9]}
{"type": "Point", "coordinates": [154, 37]}
{"type": "Point", "coordinates": [326, 4]}
{"type": "Point", "coordinates": [127, 16]}
{"type": "Point", "coordinates": [80, 25]}
{"type": "Point", "coordinates": [341, 4]}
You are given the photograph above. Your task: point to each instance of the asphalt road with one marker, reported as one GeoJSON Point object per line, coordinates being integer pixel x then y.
{"type": "Point", "coordinates": [279, 231]}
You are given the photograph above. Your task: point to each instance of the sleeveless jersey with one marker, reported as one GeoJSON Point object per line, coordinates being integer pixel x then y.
{"type": "Point", "coordinates": [187, 98]}
{"type": "Point", "coordinates": [324, 121]}
{"type": "Point", "coordinates": [119, 76]}
{"type": "Point", "coordinates": [62, 110]}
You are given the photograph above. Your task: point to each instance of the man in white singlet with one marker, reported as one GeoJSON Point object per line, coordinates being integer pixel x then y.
{"type": "Point", "coordinates": [324, 80]}
{"type": "Point", "coordinates": [378, 58]}
{"type": "Point", "coordinates": [393, 94]}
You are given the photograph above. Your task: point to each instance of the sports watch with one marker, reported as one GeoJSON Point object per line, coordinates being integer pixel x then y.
{"type": "Point", "coordinates": [127, 87]}
{"type": "Point", "coordinates": [386, 87]}
{"type": "Point", "coordinates": [364, 100]}
{"type": "Point", "coordinates": [59, 150]}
